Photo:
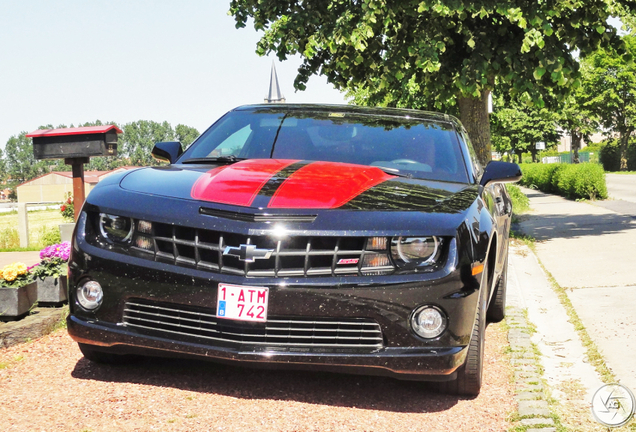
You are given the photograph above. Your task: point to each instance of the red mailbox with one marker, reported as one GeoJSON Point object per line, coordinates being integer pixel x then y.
{"type": "Point", "coordinates": [75, 146]}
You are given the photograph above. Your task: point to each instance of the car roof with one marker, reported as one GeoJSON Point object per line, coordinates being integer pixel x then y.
{"type": "Point", "coordinates": [353, 109]}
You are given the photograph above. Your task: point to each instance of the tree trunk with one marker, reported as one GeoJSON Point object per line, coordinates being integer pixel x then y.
{"type": "Point", "coordinates": [624, 140]}
{"type": "Point", "coordinates": [474, 115]}
{"type": "Point", "coordinates": [576, 145]}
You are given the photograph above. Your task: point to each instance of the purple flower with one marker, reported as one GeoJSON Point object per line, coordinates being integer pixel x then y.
{"type": "Point", "coordinates": [61, 251]}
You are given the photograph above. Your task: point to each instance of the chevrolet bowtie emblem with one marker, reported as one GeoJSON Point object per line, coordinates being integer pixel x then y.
{"type": "Point", "coordinates": [248, 252]}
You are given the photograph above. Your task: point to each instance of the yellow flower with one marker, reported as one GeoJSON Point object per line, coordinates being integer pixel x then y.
{"type": "Point", "coordinates": [20, 268]}
{"type": "Point", "coordinates": [9, 273]}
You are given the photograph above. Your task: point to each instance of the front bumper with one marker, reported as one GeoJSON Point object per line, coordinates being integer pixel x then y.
{"type": "Point", "coordinates": [411, 363]}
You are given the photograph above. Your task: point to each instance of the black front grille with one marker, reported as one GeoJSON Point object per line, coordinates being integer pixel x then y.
{"type": "Point", "coordinates": [304, 256]}
{"type": "Point", "coordinates": [174, 321]}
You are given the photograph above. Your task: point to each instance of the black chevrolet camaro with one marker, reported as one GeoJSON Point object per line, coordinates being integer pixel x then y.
{"type": "Point", "coordinates": [337, 238]}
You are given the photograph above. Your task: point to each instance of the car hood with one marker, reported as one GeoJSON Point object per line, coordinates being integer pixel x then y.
{"type": "Point", "coordinates": [296, 185]}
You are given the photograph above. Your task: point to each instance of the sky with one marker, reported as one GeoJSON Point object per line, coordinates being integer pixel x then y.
{"type": "Point", "coordinates": [71, 61]}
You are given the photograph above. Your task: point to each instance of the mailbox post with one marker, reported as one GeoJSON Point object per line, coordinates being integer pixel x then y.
{"type": "Point", "coordinates": [76, 146]}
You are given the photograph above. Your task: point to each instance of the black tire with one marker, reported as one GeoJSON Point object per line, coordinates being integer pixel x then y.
{"type": "Point", "coordinates": [470, 374]}
{"type": "Point", "coordinates": [497, 309]}
{"type": "Point", "coordinates": [96, 355]}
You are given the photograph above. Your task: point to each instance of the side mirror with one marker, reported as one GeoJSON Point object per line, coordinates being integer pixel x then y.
{"type": "Point", "coordinates": [168, 151]}
{"type": "Point", "coordinates": [500, 172]}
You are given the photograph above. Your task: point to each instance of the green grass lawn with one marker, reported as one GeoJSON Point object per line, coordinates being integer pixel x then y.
{"type": "Point", "coordinates": [43, 229]}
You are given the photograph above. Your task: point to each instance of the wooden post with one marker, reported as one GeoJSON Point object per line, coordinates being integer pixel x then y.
{"type": "Point", "coordinates": [79, 193]}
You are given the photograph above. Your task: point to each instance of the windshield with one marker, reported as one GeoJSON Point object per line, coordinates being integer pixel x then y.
{"type": "Point", "coordinates": [406, 147]}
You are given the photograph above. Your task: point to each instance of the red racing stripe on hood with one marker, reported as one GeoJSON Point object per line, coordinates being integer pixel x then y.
{"type": "Point", "coordinates": [237, 184]}
{"type": "Point", "coordinates": [326, 185]}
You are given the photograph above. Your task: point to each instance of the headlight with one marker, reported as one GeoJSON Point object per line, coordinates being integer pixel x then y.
{"type": "Point", "coordinates": [117, 229]}
{"type": "Point", "coordinates": [415, 251]}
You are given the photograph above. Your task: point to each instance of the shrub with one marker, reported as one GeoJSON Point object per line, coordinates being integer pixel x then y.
{"type": "Point", "coordinates": [520, 202]}
{"type": "Point", "coordinates": [610, 155]}
{"type": "Point", "coordinates": [49, 235]}
{"type": "Point", "coordinates": [9, 238]}
{"type": "Point", "coordinates": [573, 181]}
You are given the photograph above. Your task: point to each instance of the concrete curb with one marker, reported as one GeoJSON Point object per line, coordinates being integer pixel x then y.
{"type": "Point", "coordinates": [40, 322]}
{"type": "Point", "coordinates": [532, 407]}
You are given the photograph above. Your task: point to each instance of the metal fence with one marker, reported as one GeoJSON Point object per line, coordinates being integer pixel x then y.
{"type": "Point", "coordinates": [565, 158]}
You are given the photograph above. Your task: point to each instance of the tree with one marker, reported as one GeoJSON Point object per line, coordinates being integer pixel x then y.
{"type": "Point", "coordinates": [185, 134]}
{"type": "Point", "coordinates": [610, 83]}
{"type": "Point", "coordinates": [435, 53]}
{"type": "Point", "coordinates": [3, 168]}
{"type": "Point", "coordinates": [20, 162]}
{"type": "Point", "coordinates": [577, 121]}
{"type": "Point", "coordinates": [518, 127]}
{"type": "Point", "coordinates": [139, 138]}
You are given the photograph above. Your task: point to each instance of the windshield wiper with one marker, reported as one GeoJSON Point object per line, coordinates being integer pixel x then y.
{"type": "Point", "coordinates": [394, 171]}
{"type": "Point", "coordinates": [230, 159]}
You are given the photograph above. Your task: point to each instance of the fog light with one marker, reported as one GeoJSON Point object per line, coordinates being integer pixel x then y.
{"type": "Point", "coordinates": [90, 295]}
{"type": "Point", "coordinates": [428, 322]}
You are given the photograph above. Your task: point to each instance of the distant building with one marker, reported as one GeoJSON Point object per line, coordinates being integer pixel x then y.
{"type": "Point", "coordinates": [565, 143]}
{"type": "Point", "coordinates": [4, 194]}
{"type": "Point", "coordinates": [274, 95]}
{"type": "Point", "coordinates": [55, 185]}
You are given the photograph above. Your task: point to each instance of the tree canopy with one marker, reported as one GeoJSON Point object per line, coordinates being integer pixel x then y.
{"type": "Point", "coordinates": [610, 85]}
{"type": "Point", "coordinates": [517, 127]}
{"type": "Point", "coordinates": [432, 54]}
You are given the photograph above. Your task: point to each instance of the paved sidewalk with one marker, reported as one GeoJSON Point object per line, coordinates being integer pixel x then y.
{"type": "Point", "coordinates": [591, 250]}
{"type": "Point", "coordinates": [29, 258]}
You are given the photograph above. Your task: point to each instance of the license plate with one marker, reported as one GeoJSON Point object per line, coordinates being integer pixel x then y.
{"type": "Point", "coordinates": [243, 303]}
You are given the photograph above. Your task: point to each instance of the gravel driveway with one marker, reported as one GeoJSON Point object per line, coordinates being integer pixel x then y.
{"type": "Point", "coordinates": [47, 385]}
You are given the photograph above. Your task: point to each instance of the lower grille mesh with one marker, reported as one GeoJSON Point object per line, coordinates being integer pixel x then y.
{"type": "Point", "coordinates": [172, 321]}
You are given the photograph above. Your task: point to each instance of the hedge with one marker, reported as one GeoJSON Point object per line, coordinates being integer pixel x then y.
{"type": "Point", "coordinates": [574, 181]}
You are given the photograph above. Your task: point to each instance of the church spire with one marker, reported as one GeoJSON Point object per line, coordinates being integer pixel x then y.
{"type": "Point", "coordinates": [275, 95]}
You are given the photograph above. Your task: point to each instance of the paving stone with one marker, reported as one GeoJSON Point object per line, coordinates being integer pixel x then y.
{"type": "Point", "coordinates": [528, 396]}
{"type": "Point", "coordinates": [533, 387]}
{"type": "Point", "coordinates": [533, 408]}
{"type": "Point", "coordinates": [537, 421]}
{"type": "Point", "coordinates": [521, 345]}
{"type": "Point", "coordinates": [523, 362]}
{"type": "Point", "coordinates": [529, 385]}
{"type": "Point", "coordinates": [526, 368]}
{"type": "Point", "coordinates": [515, 332]}
{"type": "Point", "coordinates": [527, 376]}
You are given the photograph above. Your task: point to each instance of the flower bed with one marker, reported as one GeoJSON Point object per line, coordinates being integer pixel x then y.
{"type": "Point", "coordinates": [50, 274]}
{"type": "Point", "coordinates": [18, 291]}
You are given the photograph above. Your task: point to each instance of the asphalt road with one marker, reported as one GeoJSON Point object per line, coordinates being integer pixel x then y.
{"type": "Point", "coordinates": [621, 186]}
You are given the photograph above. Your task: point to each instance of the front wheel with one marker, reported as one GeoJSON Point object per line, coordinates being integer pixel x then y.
{"type": "Point", "coordinates": [470, 374]}
{"type": "Point", "coordinates": [497, 308]}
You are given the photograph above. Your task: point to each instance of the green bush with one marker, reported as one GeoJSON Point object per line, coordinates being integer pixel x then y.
{"type": "Point", "coordinates": [520, 202]}
{"type": "Point", "coordinates": [49, 235]}
{"type": "Point", "coordinates": [610, 155]}
{"type": "Point", "coordinates": [573, 181]}
{"type": "Point", "coordinates": [538, 176]}
{"type": "Point", "coordinates": [9, 238]}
